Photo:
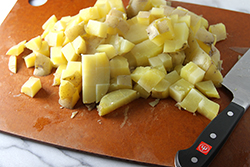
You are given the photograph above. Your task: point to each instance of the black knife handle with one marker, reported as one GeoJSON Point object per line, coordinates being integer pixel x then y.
{"type": "Point", "coordinates": [208, 144]}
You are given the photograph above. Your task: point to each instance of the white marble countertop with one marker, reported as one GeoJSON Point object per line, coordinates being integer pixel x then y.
{"type": "Point", "coordinates": [15, 151]}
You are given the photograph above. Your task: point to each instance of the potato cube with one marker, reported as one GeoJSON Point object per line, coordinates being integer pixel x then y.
{"type": "Point", "coordinates": [73, 31]}
{"type": "Point", "coordinates": [50, 22]}
{"type": "Point", "coordinates": [90, 13]}
{"type": "Point", "coordinates": [68, 94]}
{"type": "Point", "coordinates": [172, 77]}
{"type": "Point", "coordinates": [166, 60]}
{"type": "Point", "coordinates": [44, 49]}
{"type": "Point", "coordinates": [142, 92]}
{"type": "Point", "coordinates": [191, 101]}
{"type": "Point", "coordinates": [146, 49]}
{"type": "Point", "coordinates": [103, 7]}
{"type": "Point", "coordinates": [57, 56]}
{"type": "Point", "coordinates": [116, 99]}
{"type": "Point", "coordinates": [150, 79]}
{"type": "Point", "coordinates": [34, 43]}
{"type": "Point", "coordinates": [139, 72]}
{"type": "Point", "coordinates": [30, 60]}
{"type": "Point", "coordinates": [143, 17]}
{"type": "Point", "coordinates": [57, 74]}
{"type": "Point", "coordinates": [208, 108]}
{"type": "Point", "coordinates": [31, 87]}
{"type": "Point", "coordinates": [69, 52]}
{"type": "Point", "coordinates": [119, 66]}
{"type": "Point", "coordinates": [180, 41]}
{"type": "Point", "coordinates": [192, 73]}
{"type": "Point", "coordinates": [180, 89]}
{"type": "Point", "coordinates": [12, 64]}
{"type": "Point", "coordinates": [95, 71]}
{"type": "Point", "coordinates": [43, 65]}
{"type": "Point", "coordinates": [55, 38]}
{"type": "Point", "coordinates": [118, 4]}
{"type": "Point", "coordinates": [120, 82]}
{"type": "Point", "coordinates": [208, 89]}
{"type": "Point", "coordinates": [108, 49]}
{"type": "Point", "coordinates": [97, 28]}
{"type": "Point", "coordinates": [214, 75]}
{"type": "Point", "coordinates": [136, 33]}
{"type": "Point", "coordinates": [16, 49]}
{"type": "Point", "coordinates": [79, 45]}
{"type": "Point", "coordinates": [219, 30]}
{"type": "Point", "coordinates": [161, 90]}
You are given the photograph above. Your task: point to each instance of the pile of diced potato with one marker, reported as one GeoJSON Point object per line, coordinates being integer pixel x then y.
{"type": "Point", "coordinates": [113, 55]}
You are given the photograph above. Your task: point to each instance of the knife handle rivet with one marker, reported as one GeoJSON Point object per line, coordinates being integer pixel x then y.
{"type": "Point", "coordinates": [230, 113]}
{"type": "Point", "coordinates": [213, 135]}
{"type": "Point", "coordinates": [194, 160]}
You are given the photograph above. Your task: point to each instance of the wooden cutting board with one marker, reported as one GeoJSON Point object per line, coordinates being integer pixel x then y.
{"type": "Point", "coordinates": [134, 132]}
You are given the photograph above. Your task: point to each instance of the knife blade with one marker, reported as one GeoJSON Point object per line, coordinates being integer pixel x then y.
{"type": "Point", "coordinates": [211, 140]}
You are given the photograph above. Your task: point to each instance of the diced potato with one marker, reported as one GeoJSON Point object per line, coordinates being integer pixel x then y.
{"type": "Point", "coordinates": [43, 65]}
{"type": "Point", "coordinates": [108, 49]}
{"type": "Point", "coordinates": [192, 73]}
{"type": "Point", "coordinates": [172, 77]}
{"type": "Point", "coordinates": [95, 70]}
{"type": "Point", "coordinates": [57, 56]}
{"type": "Point", "coordinates": [201, 58]}
{"type": "Point", "coordinates": [219, 30]}
{"type": "Point", "coordinates": [69, 52]}
{"type": "Point", "coordinates": [57, 74]}
{"type": "Point", "coordinates": [45, 50]}
{"type": "Point", "coordinates": [16, 49]}
{"type": "Point", "coordinates": [177, 58]}
{"type": "Point", "coordinates": [161, 90]}
{"type": "Point", "coordinates": [145, 50]}
{"type": "Point", "coordinates": [157, 12]}
{"type": "Point", "coordinates": [180, 89]}
{"type": "Point", "coordinates": [142, 92]}
{"type": "Point", "coordinates": [34, 43]}
{"type": "Point", "coordinates": [119, 66]}
{"type": "Point", "coordinates": [191, 101]}
{"type": "Point", "coordinates": [143, 17]}
{"type": "Point", "coordinates": [150, 79]}
{"type": "Point", "coordinates": [75, 77]}
{"type": "Point", "coordinates": [205, 36]}
{"type": "Point", "coordinates": [160, 30]}
{"type": "Point", "coordinates": [97, 28]}
{"type": "Point", "coordinates": [115, 19]}
{"type": "Point", "coordinates": [116, 99]}
{"type": "Point", "coordinates": [68, 94]}
{"type": "Point", "coordinates": [50, 22]}
{"type": "Point", "coordinates": [139, 72]}
{"type": "Point", "coordinates": [208, 89]}
{"type": "Point", "coordinates": [90, 13]}
{"type": "Point", "coordinates": [120, 82]}
{"type": "Point", "coordinates": [103, 7]}
{"type": "Point", "coordinates": [137, 5]}
{"type": "Point", "coordinates": [31, 87]}
{"type": "Point", "coordinates": [30, 60]}
{"type": "Point", "coordinates": [79, 45]}
{"type": "Point", "coordinates": [74, 31]}
{"type": "Point", "coordinates": [55, 38]}
{"type": "Point", "coordinates": [166, 60]}
{"type": "Point", "coordinates": [12, 64]}
{"type": "Point", "coordinates": [180, 41]}
{"type": "Point", "coordinates": [214, 75]}
{"type": "Point", "coordinates": [136, 33]}
{"type": "Point", "coordinates": [208, 108]}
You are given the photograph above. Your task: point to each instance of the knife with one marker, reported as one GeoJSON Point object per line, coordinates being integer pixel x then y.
{"type": "Point", "coordinates": [210, 141]}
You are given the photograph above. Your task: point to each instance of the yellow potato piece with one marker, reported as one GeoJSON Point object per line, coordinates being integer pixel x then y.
{"type": "Point", "coordinates": [12, 64]}
{"type": "Point", "coordinates": [208, 89]}
{"type": "Point", "coordinates": [30, 60]}
{"type": "Point", "coordinates": [31, 87]}
{"type": "Point", "coordinates": [116, 99]}
{"type": "Point", "coordinates": [16, 49]}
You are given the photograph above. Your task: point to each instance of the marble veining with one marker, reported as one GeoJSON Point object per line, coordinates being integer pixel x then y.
{"type": "Point", "coordinates": [16, 151]}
